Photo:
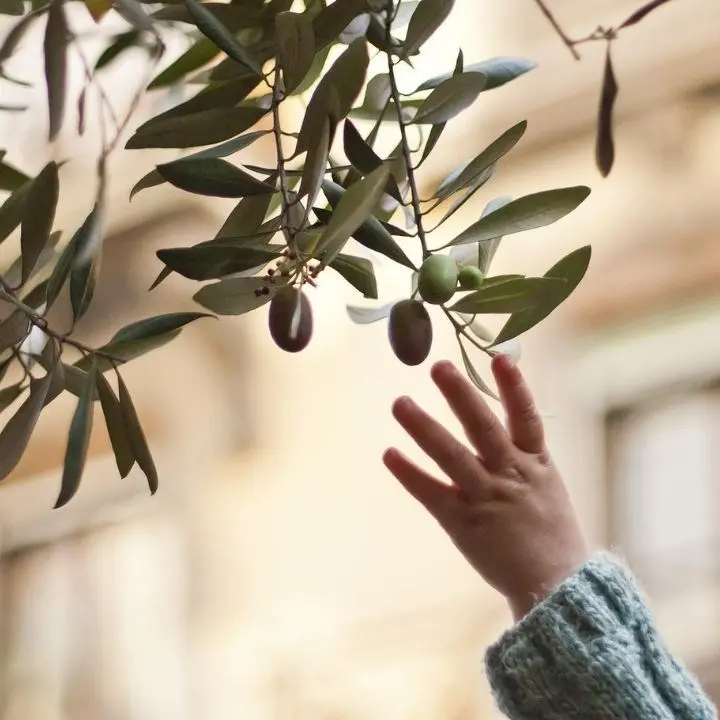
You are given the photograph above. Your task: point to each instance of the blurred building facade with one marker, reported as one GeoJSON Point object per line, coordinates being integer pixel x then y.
{"type": "Point", "coordinates": [279, 572]}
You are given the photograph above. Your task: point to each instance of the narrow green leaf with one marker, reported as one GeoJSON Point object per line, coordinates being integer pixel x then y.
{"type": "Point", "coordinates": [136, 436]}
{"type": "Point", "coordinates": [200, 54]}
{"type": "Point", "coordinates": [507, 297]}
{"type": "Point", "coordinates": [13, 330]}
{"type": "Point", "coordinates": [473, 374]}
{"type": "Point", "coordinates": [336, 92]}
{"type": "Point", "coordinates": [11, 211]}
{"type": "Point", "coordinates": [450, 98]}
{"type": "Point", "coordinates": [222, 95]}
{"type": "Point", "coordinates": [213, 177]}
{"type": "Point", "coordinates": [153, 326]}
{"type": "Point", "coordinates": [334, 18]}
{"type": "Point", "coordinates": [126, 350]}
{"type": "Point", "coordinates": [16, 435]}
{"type": "Point", "coordinates": [641, 12]}
{"type": "Point", "coordinates": [208, 262]}
{"type": "Point", "coordinates": [78, 442]}
{"type": "Point", "coordinates": [55, 50]}
{"type": "Point", "coordinates": [351, 212]}
{"type": "Point", "coordinates": [358, 152]}
{"type": "Point", "coordinates": [202, 128]}
{"type": "Point", "coordinates": [122, 42]}
{"type": "Point", "coordinates": [436, 132]}
{"type": "Point", "coordinates": [312, 75]}
{"type": "Point", "coordinates": [9, 395]}
{"type": "Point", "coordinates": [429, 15]}
{"type": "Point", "coordinates": [238, 295]}
{"type": "Point", "coordinates": [62, 268]}
{"type": "Point", "coordinates": [480, 255]}
{"type": "Point", "coordinates": [315, 164]}
{"type": "Point", "coordinates": [372, 235]}
{"type": "Point", "coordinates": [525, 213]}
{"type": "Point", "coordinates": [38, 216]}
{"type": "Point", "coordinates": [604, 144]}
{"type": "Point", "coordinates": [133, 13]}
{"type": "Point", "coordinates": [296, 46]}
{"type": "Point", "coordinates": [359, 272]}
{"type": "Point", "coordinates": [235, 16]}
{"type": "Point", "coordinates": [485, 160]}
{"type": "Point", "coordinates": [571, 269]}
{"type": "Point", "coordinates": [115, 423]}
{"type": "Point", "coordinates": [247, 216]}
{"type": "Point", "coordinates": [17, 32]}
{"type": "Point", "coordinates": [498, 71]}
{"type": "Point", "coordinates": [83, 279]}
{"type": "Point", "coordinates": [365, 316]}
{"type": "Point", "coordinates": [11, 178]}
{"type": "Point", "coordinates": [12, 7]}
{"type": "Point", "coordinates": [212, 28]}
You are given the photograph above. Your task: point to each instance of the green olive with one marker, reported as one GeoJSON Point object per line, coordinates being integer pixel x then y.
{"type": "Point", "coordinates": [410, 331]}
{"type": "Point", "coordinates": [470, 277]}
{"type": "Point", "coordinates": [437, 279]}
{"type": "Point", "coordinates": [280, 320]}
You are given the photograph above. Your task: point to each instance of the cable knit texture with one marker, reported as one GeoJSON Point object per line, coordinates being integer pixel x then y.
{"type": "Point", "coordinates": [590, 651]}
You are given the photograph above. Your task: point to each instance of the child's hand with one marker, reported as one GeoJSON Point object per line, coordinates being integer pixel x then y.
{"type": "Point", "coordinates": [507, 509]}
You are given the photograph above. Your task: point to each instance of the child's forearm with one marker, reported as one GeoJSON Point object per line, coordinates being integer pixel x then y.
{"type": "Point", "coordinates": [590, 651]}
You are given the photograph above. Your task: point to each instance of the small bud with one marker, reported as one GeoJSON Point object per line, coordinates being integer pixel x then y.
{"type": "Point", "coordinates": [258, 292]}
{"type": "Point", "coordinates": [270, 272]}
{"type": "Point", "coordinates": [265, 291]}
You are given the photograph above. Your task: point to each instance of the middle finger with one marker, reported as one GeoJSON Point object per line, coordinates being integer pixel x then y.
{"type": "Point", "coordinates": [451, 456]}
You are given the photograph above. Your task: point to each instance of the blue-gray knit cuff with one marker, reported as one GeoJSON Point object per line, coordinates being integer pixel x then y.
{"type": "Point", "coordinates": [590, 650]}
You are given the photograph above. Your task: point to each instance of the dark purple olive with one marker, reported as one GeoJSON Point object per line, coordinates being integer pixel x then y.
{"type": "Point", "coordinates": [410, 331]}
{"type": "Point", "coordinates": [282, 312]}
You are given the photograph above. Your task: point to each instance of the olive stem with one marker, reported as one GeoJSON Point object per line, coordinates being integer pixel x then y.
{"type": "Point", "coordinates": [461, 329]}
{"type": "Point", "coordinates": [414, 194]}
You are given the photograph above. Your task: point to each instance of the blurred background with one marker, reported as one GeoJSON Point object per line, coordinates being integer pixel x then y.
{"type": "Point", "coordinates": [280, 572]}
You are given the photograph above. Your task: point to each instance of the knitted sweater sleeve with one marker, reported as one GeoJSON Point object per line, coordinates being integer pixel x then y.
{"type": "Point", "coordinates": [590, 651]}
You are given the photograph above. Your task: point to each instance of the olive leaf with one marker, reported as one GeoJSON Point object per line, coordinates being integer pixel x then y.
{"type": "Point", "coordinates": [55, 51]}
{"type": "Point", "coordinates": [16, 434]}
{"type": "Point", "coordinates": [221, 95]}
{"type": "Point", "coordinates": [525, 213]}
{"type": "Point", "coordinates": [334, 18]}
{"type": "Point", "coordinates": [315, 164]}
{"type": "Point", "coordinates": [207, 262]}
{"type": "Point", "coordinates": [641, 12]}
{"type": "Point", "coordinates": [38, 216]}
{"type": "Point", "coordinates": [336, 93]}
{"type": "Point", "coordinates": [136, 436]}
{"type": "Point", "coordinates": [17, 32]}
{"type": "Point", "coordinates": [14, 329]}
{"type": "Point", "coordinates": [352, 210]}
{"type": "Point", "coordinates": [506, 297]}
{"type": "Point", "coordinates": [359, 272]}
{"type": "Point", "coordinates": [238, 295]}
{"type": "Point", "coordinates": [84, 272]}
{"type": "Point", "coordinates": [571, 269]}
{"type": "Point", "coordinates": [10, 394]}
{"type": "Point", "coordinates": [213, 177]}
{"type": "Point", "coordinates": [296, 46]}
{"type": "Point", "coordinates": [358, 152]}
{"type": "Point", "coordinates": [230, 147]}
{"type": "Point", "coordinates": [473, 374]}
{"type": "Point", "coordinates": [10, 177]}
{"type": "Point", "coordinates": [428, 16]}
{"type": "Point", "coordinates": [133, 13]}
{"type": "Point", "coordinates": [604, 145]}
{"type": "Point", "coordinates": [122, 42]}
{"type": "Point", "coordinates": [78, 442]}
{"type": "Point", "coordinates": [201, 128]}
{"type": "Point", "coordinates": [11, 211]}
{"type": "Point", "coordinates": [199, 54]}
{"type": "Point", "coordinates": [12, 7]}
{"type": "Point", "coordinates": [365, 316]}
{"type": "Point", "coordinates": [483, 161]}
{"type": "Point", "coordinates": [450, 98]}
{"type": "Point", "coordinates": [115, 424]}
{"type": "Point", "coordinates": [246, 217]}
{"type": "Point", "coordinates": [497, 72]}
{"type": "Point", "coordinates": [212, 28]}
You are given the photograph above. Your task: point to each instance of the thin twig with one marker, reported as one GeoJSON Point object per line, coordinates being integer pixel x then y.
{"type": "Point", "coordinates": [569, 43]}
{"type": "Point", "coordinates": [414, 194]}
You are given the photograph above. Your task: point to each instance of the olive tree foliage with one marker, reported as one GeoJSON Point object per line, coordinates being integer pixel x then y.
{"type": "Point", "coordinates": [330, 182]}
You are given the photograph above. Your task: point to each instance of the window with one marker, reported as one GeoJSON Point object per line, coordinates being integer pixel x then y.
{"type": "Point", "coordinates": [664, 487]}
